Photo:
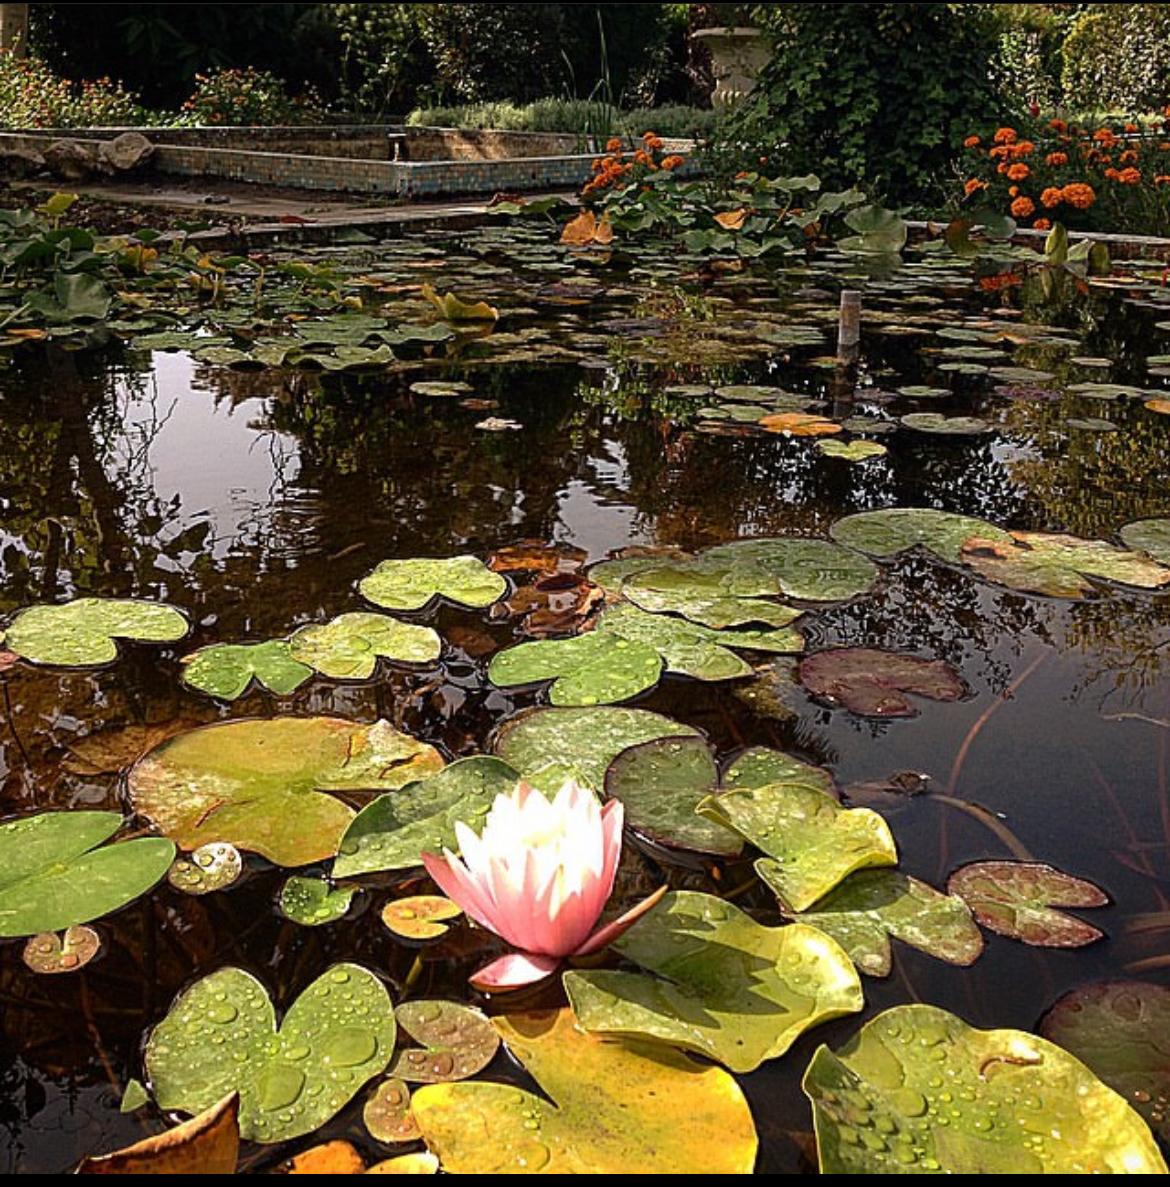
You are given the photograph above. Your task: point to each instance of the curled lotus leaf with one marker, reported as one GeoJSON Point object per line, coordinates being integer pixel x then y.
{"type": "Point", "coordinates": [387, 1116]}
{"type": "Point", "coordinates": [409, 585]}
{"type": "Point", "coordinates": [1014, 1104]}
{"type": "Point", "coordinates": [312, 901]}
{"type": "Point", "coordinates": [226, 670]}
{"type": "Point", "coordinates": [874, 683]}
{"type": "Point", "coordinates": [1020, 899]}
{"type": "Point", "coordinates": [701, 595]}
{"type": "Point", "coordinates": [453, 308]}
{"type": "Point", "coordinates": [889, 532]}
{"type": "Point", "coordinates": [348, 647]}
{"type": "Point", "coordinates": [717, 982]}
{"type": "Point", "coordinates": [457, 1042]}
{"type": "Point", "coordinates": [336, 1036]}
{"type": "Point", "coordinates": [262, 783]}
{"type": "Point", "coordinates": [1151, 536]}
{"type": "Point", "coordinates": [792, 566]}
{"type": "Point", "coordinates": [1121, 1030]}
{"type": "Point", "coordinates": [83, 633]}
{"type": "Point", "coordinates": [547, 746]}
{"type": "Point", "coordinates": [420, 916]}
{"type": "Point", "coordinates": [55, 872]}
{"type": "Point", "coordinates": [602, 1113]}
{"type": "Point", "coordinates": [872, 906]}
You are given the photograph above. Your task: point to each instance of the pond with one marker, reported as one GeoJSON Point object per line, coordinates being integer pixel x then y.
{"type": "Point", "coordinates": [614, 405]}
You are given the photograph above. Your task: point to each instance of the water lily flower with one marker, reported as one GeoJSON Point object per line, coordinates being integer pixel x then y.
{"type": "Point", "coordinates": [539, 876]}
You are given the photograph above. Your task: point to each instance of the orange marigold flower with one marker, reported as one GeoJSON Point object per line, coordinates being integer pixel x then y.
{"type": "Point", "coordinates": [972, 185]}
{"type": "Point", "coordinates": [1043, 224]}
{"type": "Point", "coordinates": [1018, 172]}
{"type": "Point", "coordinates": [1078, 194]}
{"type": "Point", "coordinates": [643, 158]}
{"type": "Point", "coordinates": [1130, 176]}
{"type": "Point", "coordinates": [652, 141]}
{"type": "Point", "coordinates": [1128, 157]}
{"type": "Point", "coordinates": [1022, 149]}
{"type": "Point", "coordinates": [1056, 158]}
{"type": "Point", "coordinates": [1131, 127]}
{"type": "Point", "coordinates": [672, 162]}
{"type": "Point", "coordinates": [1013, 191]}
{"type": "Point", "coordinates": [972, 142]}
{"type": "Point", "coordinates": [1023, 208]}
{"type": "Point", "coordinates": [1000, 150]}
{"type": "Point", "coordinates": [613, 144]}
{"type": "Point", "coordinates": [1112, 174]}
{"type": "Point", "coordinates": [1051, 197]}
{"type": "Point", "coordinates": [1058, 125]}
{"type": "Point", "coordinates": [1004, 135]}
{"type": "Point", "coordinates": [1162, 179]}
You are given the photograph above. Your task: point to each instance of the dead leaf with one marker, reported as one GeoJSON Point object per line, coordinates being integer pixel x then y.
{"type": "Point", "coordinates": [585, 229]}
{"type": "Point", "coordinates": [331, 1158]}
{"type": "Point", "coordinates": [799, 424]}
{"type": "Point", "coordinates": [732, 220]}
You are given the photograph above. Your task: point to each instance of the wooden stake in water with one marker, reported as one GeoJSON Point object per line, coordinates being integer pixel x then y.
{"type": "Point", "coordinates": [849, 328]}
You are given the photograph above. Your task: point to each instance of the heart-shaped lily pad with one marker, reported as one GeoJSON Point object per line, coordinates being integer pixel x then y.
{"type": "Point", "coordinates": [457, 1042]}
{"type": "Point", "coordinates": [607, 1114]}
{"type": "Point", "coordinates": [873, 683]}
{"type": "Point", "coordinates": [348, 646]}
{"type": "Point", "coordinates": [547, 746]}
{"type": "Point", "coordinates": [886, 533]}
{"type": "Point", "coordinates": [420, 916]}
{"type": "Point", "coordinates": [312, 901]}
{"type": "Point", "coordinates": [947, 426]}
{"type": "Point", "coordinates": [854, 451]}
{"type": "Point", "coordinates": [1019, 899]}
{"type": "Point", "coordinates": [225, 670]}
{"type": "Point", "coordinates": [387, 1116]}
{"type": "Point", "coordinates": [220, 1035]}
{"type": "Point", "coordinates": [1151, 536]}
{"type": "Point", "coordinates": [214, 866]}
{"type": "Point", "coordinates": [791, 566]}
{"type": "Point", "coordinates": [1013, 1104]}
{"type": "Point", "coordinates": [871, 906]}
{"type": "Point", "coordinates": [412, 584]}
{"type": "Point", "coordinates": [51, 953]}
{"type": "Point", "coordinates": [702, 595]}
{"type": "Point", "coordinates": [260, 783]}
{"type": "Point", "coordinates": [393, 831]}
{"type": "Point", "coordinates": [55, 872]}
{"type": "Point", "coordinates": [1121, 1030]}
{"type": "Point", "coordinates": [717, 982]}
{"type": "Point", "coordinates": [82, 633]}
{"type": "Point", "coordinates": [660, 783]}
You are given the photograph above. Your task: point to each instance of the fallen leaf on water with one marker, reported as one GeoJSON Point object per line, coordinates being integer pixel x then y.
{"type": "Point", "coordinates": [330, 1158]}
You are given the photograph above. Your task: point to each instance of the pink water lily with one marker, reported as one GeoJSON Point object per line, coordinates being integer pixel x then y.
{"type": "Point", "coordinates": [539, 876]}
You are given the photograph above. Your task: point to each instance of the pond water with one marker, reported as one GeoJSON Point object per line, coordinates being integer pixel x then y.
{"type": "Point", "coordinates": [256, 499]}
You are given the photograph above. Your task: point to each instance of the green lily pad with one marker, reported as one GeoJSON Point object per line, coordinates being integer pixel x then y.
{"type": "Point", "coordinates": [1092, 424]}
{"type": "Point", "coordinates": [887, 533]}
{"type": "Point", "coordinates": [457, 1042]}
{"type": "Point", "coordinates": [660, 783]}
{"type": "Point", "coordinates": [220, 1036]}
{"type": "Point", "coordinates": [348, 646]}
{"type": "Point", "coordinates": [393, 831]}
{"type": "Point", "coordinates": [717, 982]}
{"type": "Point", "coordinates": [82, 633]}
{"type": "Point", "coordinates": [854, 451]}
{"type": "Point", "coordinates": [948, 426]}
{"type": "Point", "coordinates": [1121, 1031]}
{"type": "Point", "coordinates": [225, 670]}
{"type": "Point", "coordinates": [791, 566]}
{"type": "Point", "coordinates": [812, 842]}
{"type": "Point", "coordinates": [547, 746]}
{"type": "Point", "coordinates": [1106, 391]}
{"type": "Point", "coordinates": [923, 391]}
{"type": "Point", "coordinates": [413, 584]}
{"type": "Point", "coordinates": [312, 901]}
{"type": "Point", "coordinates": [1151, 536]}
{"type": "Point", "coordinates": [871, 906]}
{"type": "Point", "coordinates": [1027, 375]}
{"type": "Point", "coordinates": [214, 866]}
{"type": "Point", "coordinates": [1018, 899]}
{"type": "Point", "coordinates": [873, 683]}
{"type": "Point", "coordinates": [1014, 1104]}
{"type": "Point", "coordinates": [55, 872]}
{"type": "Point", "coordinates": [702, 596]}
{"type": "Point", "coordinates": [134, 1097]}
{"type": "Point", "coordinates": [260, 783]}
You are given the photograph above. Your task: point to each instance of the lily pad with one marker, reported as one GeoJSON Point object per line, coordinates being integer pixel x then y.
{"type": "Point", "coordinates": [457, 1042]}
{"type": "Point", "coordinates": [873, 683]}
{"type": "Point", "coordinates": [312, 901]}
{"type": "Point", "coordinates": [854, 451]}
{"type": "Point", "coordinates": [871, 906]}
{"type": "Point", "coordinates": [225, 670]}
{"type": "Point", "coordinates": [701, 595]}
{"type": "Point", "coordinates": [82, 633]}
{"type": "Point", "coordinates": [260, 783]}
{"type": "Point", "coordinates": [409, 585]}
{"type": "Point", "coordinates": [393, 831]}
{"type": "Point", "coordinates": [438, 387]}
{"type": "Point", "coordinates": [719, 983]}
{"type": "Point", "coordinates": [1092, 424]}
{"type": "Point", "coordinates": [55, 873]}
{"type": "Point", "coordinates": [887, 533]}
{"type": "Point", "coordinates": [348, 646]}
{"type": "Point", "coordinates": [660, 783]}
{"type": "Point", "coordinates": [1018, 899]}
{"type": "Point", "coordinates": [387, 1116]}
{"type": "Point", "coordinates": [51, 953]}
{"type": "Point", "coordinates": [220, 1035]}
{"type": "Point", "coordinates": [547, 746]}
{"type": "Point", "coordinates": [606, 1115]}
{"type": "Point", "coordinates": [453, 308]}
{"type": "Point", "coordinates": [1151, 536]}
{"type": "Point", "coordinates": [214, 866]}
{"type": "Point", "coordinates": [947, 426]}
{"type": "Point", "coordinates": [1014, 1104]}
{"type": "Point", "coordinates": [799, 424]}
{"type": "Point", "coordinates": [1121, 1031]}
{"type": "Point", "coordinates": [420, 916]}
{"type": "Point", "coordinates": [791, 566]}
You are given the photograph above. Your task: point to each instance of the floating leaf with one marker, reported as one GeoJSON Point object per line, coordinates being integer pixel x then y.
{"type": "Point", "coordinates": [870, 906]}
{"type": "Point", "coordinates": [312, 901]}
{"type": "Point", "coordinates": [221, 1035]}
{"type": "Point", "coordinates": [1014, 1104]}
{"type": "Point", "coordinates": [82, 633]}
{"type": "Point", "coordinates": [701, 595]}
{"type": "Point", "coordinates": [1017, 899]}
{"type": "Point", "coordinates": [420, 916]}
{"type": "Point", "coordinates": [114, 750]}
{"type": "Point", "coordinates": [51, 953]}
{"type": "Point", "coordinates": [873, 683]}
{"type": "Point", "coordinates": [950, 426]}
{"type": "Point", "coordinates": [134, 1097]}
{"type": "Point", "coordinates": [412, 584]}
{"type": "Point", "coordinates": [722, 984]}
{"type": "Point", "coordinates": [812, 570]}
{"type": "Point", "coordinates": [1121, 1031]}
{"type": "Point", "coordinates": [53, 875]}
{"type": "Point", "coordinates": [451, 308]}
{"type": "Point", "coordinates": [387, 1116]}
{"type": "Point", "coordinates": [1092, 424]}
{"type": "Point", "coordinates": [547, 746]}
{"type": "Point", "coordinates": [855, 451]}
{"type": "Point", "coordinates": [421, 1163]}
{"type": "Point", "coordinates": [213, 866]}
{"type": "Point", "coordinates": [393, 831]}
{"type": "Point", "coordinates": [260, 783]}
{"type": "Point", "coordinates": [586, 229]}
{"type": "Point", "coordinates": [799, 424]}
{"type": "Point", "coordinates": [615, 1109]}
{"type": "Point", "coordinates": [330, 1158]}
{"type": "Point", "coordinates": [348, 646]}
{"type": "Point", "coordinates": [225, 670]}
{"type": "Point", "coordinates": [887, 533]}
{"type": "Point", "coordinates": [440, 388]}
{"type": "Point", "coordinates": [457, 1042]}
{"type": "Point", "coordinates": [208, 1144]}
{"type": "Point", "coordinates": [1151, 536]}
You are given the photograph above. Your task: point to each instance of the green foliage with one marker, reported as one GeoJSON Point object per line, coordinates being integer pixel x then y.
{"type": "Point", "coordinates": [1118, 56]}
{"type": "Point", "coordinates": [33, 96]}
{"type": "Point", "coordinates": [878, 93]}
{"type": "Point", "coordinates": [247, 96]}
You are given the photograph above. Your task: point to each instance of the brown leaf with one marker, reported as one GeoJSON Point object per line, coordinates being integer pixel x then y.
{"type": "Point", "coordinates": [331, 1158]}
{"type": "Point", "coordinates": [586, 229]}
{"type": "Point", "coordinates": [799, 424]}
{"type": "Point", "coordinates": [732, 220]}
{"type": "Point", "coordinates": [536, 556]}
{"type": "Point", "coordinates": [114, 750]}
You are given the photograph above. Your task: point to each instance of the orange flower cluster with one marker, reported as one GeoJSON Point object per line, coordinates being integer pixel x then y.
{"type": "Point", "coordinates": [613, 167]}
{"type": "Point", "coordinates": [1079, 195]}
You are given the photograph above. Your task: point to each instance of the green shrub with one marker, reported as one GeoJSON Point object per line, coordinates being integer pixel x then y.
{"type": "Point", "coordinates": [1117, 56]}
{"type": "Point", "coordinates": [33, 96]}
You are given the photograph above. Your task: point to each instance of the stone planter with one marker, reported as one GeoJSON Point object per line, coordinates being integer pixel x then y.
{"type": "Point", "coordinates": [737, 57]}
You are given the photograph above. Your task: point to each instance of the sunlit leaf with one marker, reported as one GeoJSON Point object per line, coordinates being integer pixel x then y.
{"type": "Point", "coordinates": [312, 902]}
{"type": "Point", "coordinates": [387, 1116]}
{"type": "Point", "coordinates": [420, 916]}
{"type": "Point", "coordinates": [410, 585]}
{"type": "Point", "coordinates": [348, 647]}
{"type": "Point", "coordinates": [225, 670]}
{"type": "Point", "coordinates": [82, 633]}
{"type": "Point", "coordinates": [456, 1042]}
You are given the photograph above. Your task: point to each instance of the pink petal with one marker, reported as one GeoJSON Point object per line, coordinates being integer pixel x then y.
{"type": "Point", "coordinates": [606, 935]}
{"type": "Point", "coordinates": [454, 880]}
{"type": "Point", "coordinates": [613, 817]}
{"type": "Point", "coordinates": [514, 971]}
